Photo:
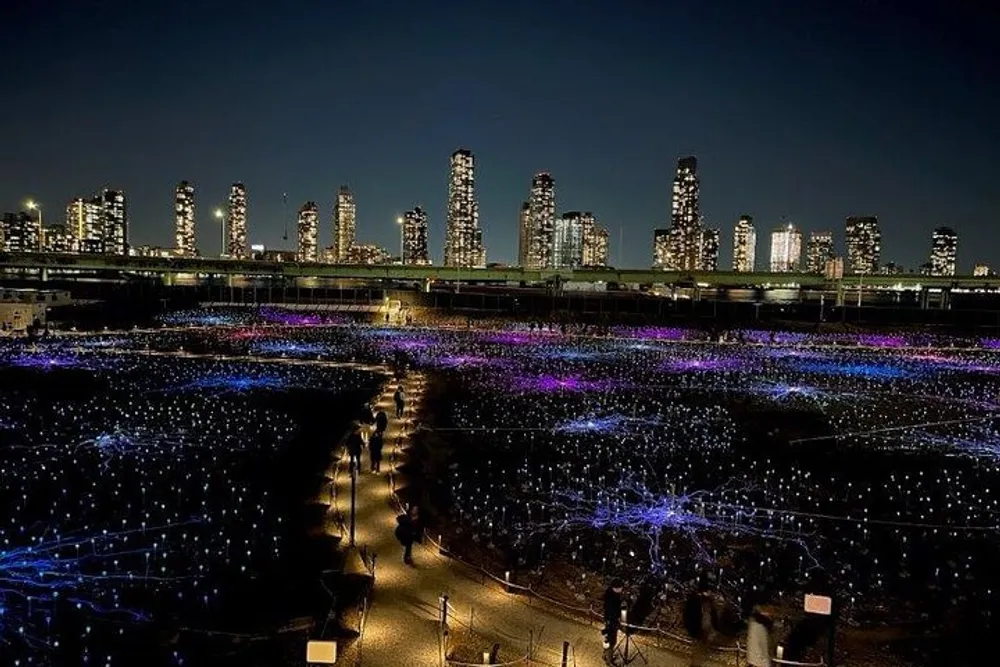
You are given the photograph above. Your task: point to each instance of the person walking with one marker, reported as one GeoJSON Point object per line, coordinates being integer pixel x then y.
{"type": "Point", "coordinates": [700, 621]}
{"type": "Point", "coordinates": [381, 421]}
{"type": "Point", "coordinates": [409, 529]}
{"type": "Point", "coordinates": [759, 648]}
{"type": "Point", "coordinates": [355, 443]}
{"type": "Point", "coordinates": [400, 399]}
{"type": "Point", "coordinates": [375, 450]}
{"type": "Point", "coordinates": [366, 419]}
{"type": "Point", "coordinates": [612, 619]}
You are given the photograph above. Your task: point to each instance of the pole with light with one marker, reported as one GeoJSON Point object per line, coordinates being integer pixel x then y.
{"type": "Point", "coordinates": [35, 206]}
{"type": "Point", "coordinates": [221, 215]}
{"type": "Point", "coordinates": [402, 245]}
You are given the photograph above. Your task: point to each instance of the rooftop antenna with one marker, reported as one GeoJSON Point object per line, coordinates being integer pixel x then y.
{"type": "Point", "coordinates": [284, 214]}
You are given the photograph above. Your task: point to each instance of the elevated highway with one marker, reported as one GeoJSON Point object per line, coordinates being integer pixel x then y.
{"type": "Point", "coordinates": [48, 264]}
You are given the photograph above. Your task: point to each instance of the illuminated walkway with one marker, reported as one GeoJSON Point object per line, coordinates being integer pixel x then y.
{"type": "Point", "coordinates": [403, 623]}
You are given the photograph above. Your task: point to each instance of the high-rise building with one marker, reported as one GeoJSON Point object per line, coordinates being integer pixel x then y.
{"type": "Point", "coordinates": [685, 218]}
{"type": "Point", "coordinates": [744, 245]}
{"type": "Point", "coordinates": [524, 235]}
{"type": "Point", "coordinates": [864, 244]}
{"type": "Point", "coordinates": [786, 249]}
{"type": "Point", "coordinates": [98, 225]}
{"type": "Point", "coordinates": [58, 238]}
{"type": "Point", "coordinates": [21, 232]}
{"type": "Point", "coordinates": [709, 250]}
{"type": "Point", "coordinates": [184, 239]}
{"type": "Point", "coordinates": [542, 214]}
{"type": "Point", "coordinates": [944, 251]}
{"type": "Point", "coordinates": [567, 242]}
{"type": "Point", "coordinates": [415, 237]}
{"type": "Point", "coordinates": [345, 228]}
{"type": "Point", "coordinates": [115, 217]}
{"type": "Point", "coordinates": [463, 244]}
{"type": "Point", "coordinates": [84, 221]}
{"type": "Point", "coordinates": [308, 231]}
{"type": "Point", "coordinates": [661, 249]}
{"type": "Point", "coordinates": [819, 250]}
{"type": "Point", "coordinates": [236, 217]}
{"type": "Point", "coordinates": [595, 242]}
{"type": "Point", "coordinates": [368, 253]}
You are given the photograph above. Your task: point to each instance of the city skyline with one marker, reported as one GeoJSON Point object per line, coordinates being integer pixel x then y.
{"type": "Point", "coordinates": [546, 238]}
{"type": "Point", "coordinates": [808, 152]}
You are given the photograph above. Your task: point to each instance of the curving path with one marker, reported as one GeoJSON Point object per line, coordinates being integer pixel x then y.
{"type": "Point", "coordinates": [403, 622]}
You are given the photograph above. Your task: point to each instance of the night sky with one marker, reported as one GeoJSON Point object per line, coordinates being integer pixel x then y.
{"type": "Point", "coordinates": [809, 111]}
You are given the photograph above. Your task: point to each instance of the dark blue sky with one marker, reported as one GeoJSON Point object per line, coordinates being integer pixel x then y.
{"type": "Point", "coordinates": [810, 110]}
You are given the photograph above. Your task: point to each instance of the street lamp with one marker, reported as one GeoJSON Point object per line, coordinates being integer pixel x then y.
{"type": "Point", "coordinates": [35, 206]}
{"type": "Point", "coordinates": [222, 230]}
{"type": "Point", "coordinates": [402, 248]}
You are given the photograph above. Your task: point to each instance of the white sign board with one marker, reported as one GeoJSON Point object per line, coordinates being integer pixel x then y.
{"type": "Point", "coordinates": [818, 604]}
{"type": "Point", "coordinates": [321, 653]}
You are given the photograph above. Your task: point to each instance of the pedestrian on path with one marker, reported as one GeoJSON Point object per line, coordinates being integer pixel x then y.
{"type": "Point", "coordinates": [355, 443]}
{"type": "Point", "coordinates": [375, 444]}
{"type": "Point", "coordinates": [367, 420]}
{"type": "Point", "coordinates": [759, 640]}
{"type": "Point", "coordinates": [381, 421]}
{"type": "Point", "coordinates": [701, 621]}
{"type": "Point", "coordinates": [409, 529]}
{"type": "Point", "coordinates": [612, 618]}
{"type": "Point", "coordinates": [400, 400]}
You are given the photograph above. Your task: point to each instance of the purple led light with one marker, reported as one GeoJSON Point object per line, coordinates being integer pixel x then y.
{"type": "Point", "coordinates": [654, 333]}
{"type": "Point", "coordinates": [707, 365]}
{"type": "Point", "coordinates": [44, 360]}
{"type": "Point", "coordinates": [551, 383]}
{"type": "Point", "coordinates": [881, 340]}
{"type": "Point", "coordinates": [510, 338]}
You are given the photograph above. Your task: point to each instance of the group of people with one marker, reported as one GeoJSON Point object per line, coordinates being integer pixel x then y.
{"type": "Point", "coordinates": [701, 620]}
{"type": "Point", "coordinates": [370, 428]}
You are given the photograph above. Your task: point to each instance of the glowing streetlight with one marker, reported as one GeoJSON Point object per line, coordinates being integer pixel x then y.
{"type": "Point", "coordinates": [220, 214]}
{"type": "Point", "coordinates": [402, 248]}
{"type": "Point", "coordinates": [35, 206]}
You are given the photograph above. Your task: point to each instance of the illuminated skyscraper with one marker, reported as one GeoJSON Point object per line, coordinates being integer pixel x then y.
{"type": "Point", "coordinates": [542, 222]}
{"type": "Point", "coordinates": [236, 218]}
{"type": "Point", "coordinates": [84, 220]}
{"type": "Point", "coordinates": [308, 230]}
{"type": "Point", "coordinates": [819, 250]}
{"type": "Point", "coordinates": [744, 245]}
{"type": "Point", "coordinates": [595, 242]}
{"type": "Point", "coordinates": [864, 244]}
{"type": "Point", "coordinates": [21, 232]}
{"type": "Point", "coordinates": [524, 235]}
{"type": "Point", "coordinates": [97, 225]}
{"type": "Point", "coordinates": [58, 238]}
{"type": "Point", "coordinates": [184, 239]}
{"type": "Point", "coordinates": [685, 218]}
{"type": "Point", "coordinates": [944, 251]}
{"type": "Point", "coordinates": [463, 244]}
{"type": "Point", "coordinates": [345, 229]}
{"type": "Point", "coordinates": [661, 249]}
{"type": "Point", "coordinates": [786, 249]}
{"type": "Point", "coordinates": [415, 237]}
{"type": "Point", "coordinates": [567, 241]}
{"type": "Point", "coordinates": [114, 216]}
{"type": "Point", "coordinates": [708, 250]}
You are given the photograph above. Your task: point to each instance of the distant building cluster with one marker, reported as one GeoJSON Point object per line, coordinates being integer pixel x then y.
{"type": "Point", "coordinates": [92, 225]}
{"type": "Point", "coordinates": [688, 245]}
{"type": "Point", "coordinates": [547, 240]}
